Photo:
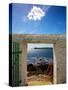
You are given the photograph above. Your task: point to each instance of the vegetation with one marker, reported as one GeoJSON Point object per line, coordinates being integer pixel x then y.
{"type": "Point", "coordinates": [40, 74]}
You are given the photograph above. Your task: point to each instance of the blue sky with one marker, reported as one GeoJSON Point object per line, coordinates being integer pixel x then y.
{"type": "Point", "coordinates": [38, 19]}
{"type": "Point", "coordinates": [32, 46]}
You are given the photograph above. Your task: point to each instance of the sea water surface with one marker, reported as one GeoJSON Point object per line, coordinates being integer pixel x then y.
{"type": "Point", "coordinates": [36, 53]}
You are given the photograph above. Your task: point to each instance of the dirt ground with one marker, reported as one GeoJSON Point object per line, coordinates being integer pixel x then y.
{"type": "Point", "coordinates": [40, 79]}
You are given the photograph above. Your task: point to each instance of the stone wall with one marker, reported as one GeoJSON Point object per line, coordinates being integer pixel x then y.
{"type": "Point", "coordinates": [60, 57]}
{"type": "Point", "coordinates": [23, 63]}
{"type": "Point", "coordinates": [59, 73]}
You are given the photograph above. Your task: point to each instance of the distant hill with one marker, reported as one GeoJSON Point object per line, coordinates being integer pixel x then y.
{"type": "Point", "coordinates": [42, 48]}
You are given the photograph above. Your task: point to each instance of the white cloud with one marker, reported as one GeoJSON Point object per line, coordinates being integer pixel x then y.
{"type": "Point", "coordinates": [36, 13]}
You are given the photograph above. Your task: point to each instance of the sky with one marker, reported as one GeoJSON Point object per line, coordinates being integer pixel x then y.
{"type": "Point", "coordinates": [38, 19]}
{"type": "Point", "coordinates": [36, 45]}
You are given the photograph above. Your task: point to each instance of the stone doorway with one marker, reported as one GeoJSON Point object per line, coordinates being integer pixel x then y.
{"type": "Point", "coordinates": [59, 54]}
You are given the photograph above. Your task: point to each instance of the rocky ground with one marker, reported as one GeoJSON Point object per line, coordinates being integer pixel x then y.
{"type": "Point", "coordinates": [40, 74]}
{"type": "Point", "coordinates": [40, 79]}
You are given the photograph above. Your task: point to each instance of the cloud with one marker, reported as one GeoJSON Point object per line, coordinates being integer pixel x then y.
{"type": "Point", "coordinates": [36, 13]}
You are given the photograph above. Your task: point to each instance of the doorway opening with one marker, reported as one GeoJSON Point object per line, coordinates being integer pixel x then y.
{"type": "Point", "coordinates": [39, 64]}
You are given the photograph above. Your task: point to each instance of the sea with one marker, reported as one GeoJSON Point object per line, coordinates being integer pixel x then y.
{"type": "Point", "coordinates": [36, 53]}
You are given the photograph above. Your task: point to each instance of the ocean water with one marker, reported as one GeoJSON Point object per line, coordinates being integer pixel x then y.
{"type": "Point", "coordinates": [35, 54]}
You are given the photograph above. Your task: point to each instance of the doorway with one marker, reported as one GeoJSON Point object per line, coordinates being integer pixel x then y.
{"type": "Point", "coordinates": [59, 55]}
{"type": "Point", "coordinates": [39, 64]}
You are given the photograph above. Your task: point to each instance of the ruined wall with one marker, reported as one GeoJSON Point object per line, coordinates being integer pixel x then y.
{"type": "Point", "coordinates": [60, 57]}
{"type": "Point", "coordinates": [23, 63]}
